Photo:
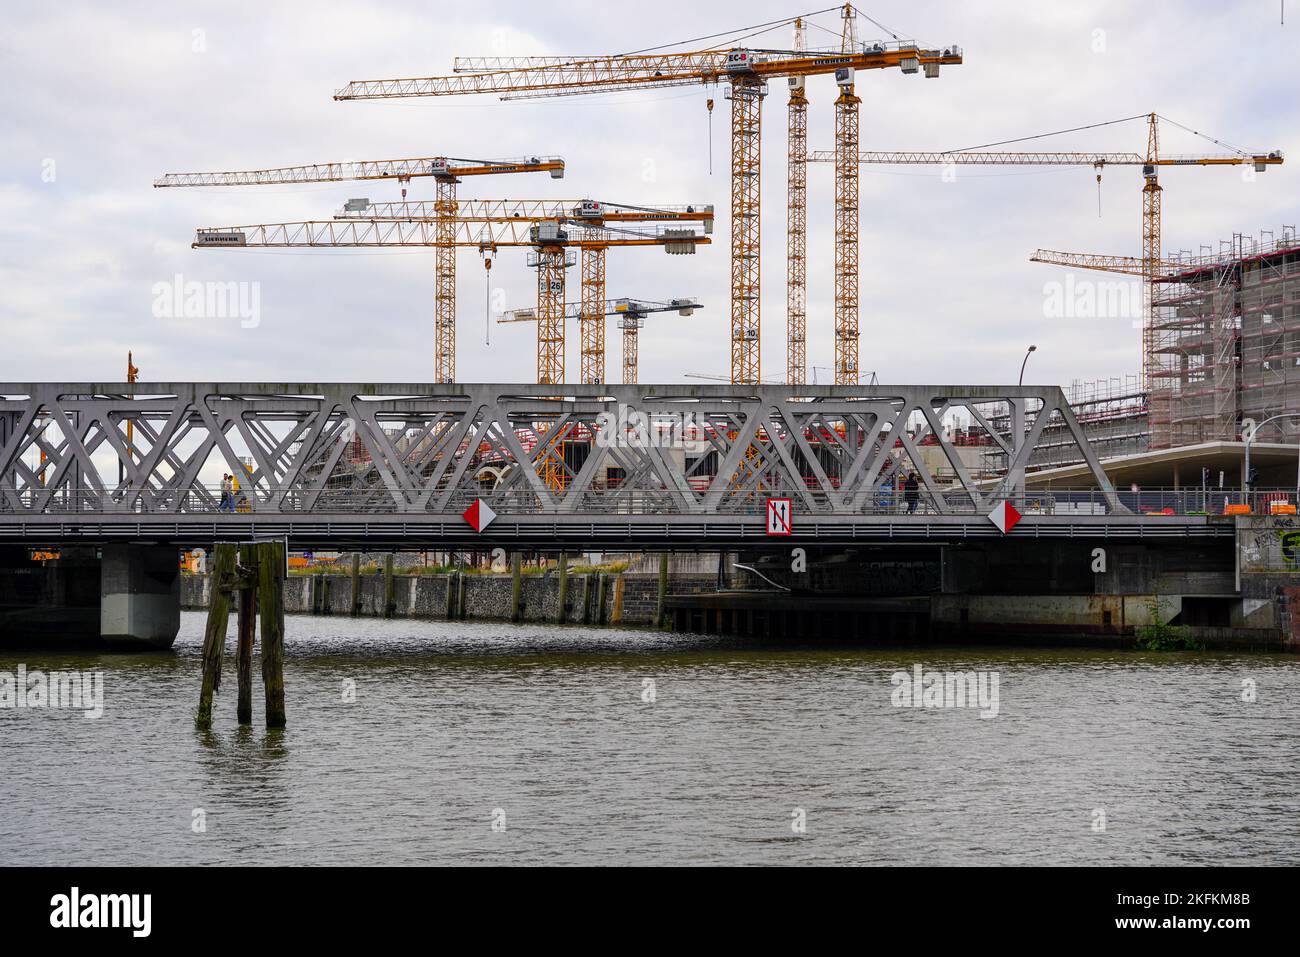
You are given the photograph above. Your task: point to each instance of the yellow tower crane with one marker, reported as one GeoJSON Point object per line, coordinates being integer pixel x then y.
{"type": "Point", "coordinates": [631, 316]}
{"type": "Point", "coordinates": [746, 72]}
{"type": "Point", "coordinates": [446, 171]}
{"type": "Point", "coordinates": [593, 214]}
{"type": "Point", "coordinates": [1149, 264]}
{"type": "Point", "coordinates": [552, 246]}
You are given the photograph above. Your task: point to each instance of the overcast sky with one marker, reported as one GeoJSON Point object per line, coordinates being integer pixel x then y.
{"type": "Point", "coordinates": [98, 100]}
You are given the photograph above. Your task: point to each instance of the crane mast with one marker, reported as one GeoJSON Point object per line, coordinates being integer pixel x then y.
{"type": "Point", "coordinates": [846, 212]}
{"type": "Point", "coordinates": [1151, 195]}
{"type": "Point", "coordinates": [796, 323]}
{"type": "Point", "coordinates": [591, 323]}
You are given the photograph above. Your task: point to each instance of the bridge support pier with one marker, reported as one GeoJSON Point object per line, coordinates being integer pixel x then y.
{"type": "Point", "coordinates": [139, 596]}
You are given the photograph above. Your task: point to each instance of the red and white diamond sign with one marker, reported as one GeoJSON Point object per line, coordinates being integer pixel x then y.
{"type": "Point", "coordinates": [479, 515]}
{"type": "Point", "coordinates": [1004, 516]}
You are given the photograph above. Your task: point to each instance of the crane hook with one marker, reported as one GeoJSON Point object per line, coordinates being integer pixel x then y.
{"type": "Point", "coordinates": [709, 104]}
{"type": "Point", "coordinates": [487, 296]}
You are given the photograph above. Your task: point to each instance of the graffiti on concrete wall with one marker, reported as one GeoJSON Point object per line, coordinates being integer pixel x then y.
{"type": "Point", "coordinates": [1268, 545]}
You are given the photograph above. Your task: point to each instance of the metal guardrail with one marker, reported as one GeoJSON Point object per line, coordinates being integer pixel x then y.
{"type": "Point", "coordinates": [887, 500]}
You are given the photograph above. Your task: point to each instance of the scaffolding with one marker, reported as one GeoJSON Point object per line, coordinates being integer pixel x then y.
{"type": "Point", "coordinates": [1113, 414]}
{"type": "Point", "coordinates": [1226, 331]}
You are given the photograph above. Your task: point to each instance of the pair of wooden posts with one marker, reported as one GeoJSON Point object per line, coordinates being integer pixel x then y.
{"type": "Point", "coordinates": [256, 583]}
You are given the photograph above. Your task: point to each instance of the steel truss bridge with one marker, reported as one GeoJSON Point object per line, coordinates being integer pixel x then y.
{"type": "Point", "coordinates": [562, 466]}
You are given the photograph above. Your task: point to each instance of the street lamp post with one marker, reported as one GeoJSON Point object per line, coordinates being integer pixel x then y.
{"type": "Point", "coordinates": [1018, 430]}
{"type": "Point", "coordinates": [1245, 478]}
{"type": "Point", "coordinates": [1032, 350]}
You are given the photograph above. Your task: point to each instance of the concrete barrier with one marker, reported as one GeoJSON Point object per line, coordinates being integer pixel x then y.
{"type": "Point", "coordinates": [635, 597]}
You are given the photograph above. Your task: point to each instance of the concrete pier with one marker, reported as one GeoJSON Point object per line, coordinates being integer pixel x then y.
{"type": "Point", "coordinates": [140, 597]}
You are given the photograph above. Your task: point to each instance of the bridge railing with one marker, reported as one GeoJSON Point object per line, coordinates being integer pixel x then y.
{"type": "Point", "coordinates": [882, 500]}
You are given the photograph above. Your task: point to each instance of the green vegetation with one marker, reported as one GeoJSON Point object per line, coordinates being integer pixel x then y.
{"type": "Point", "coordinates": [1160, 636]}
{"type": "Point", "coordinates": [613, 568]}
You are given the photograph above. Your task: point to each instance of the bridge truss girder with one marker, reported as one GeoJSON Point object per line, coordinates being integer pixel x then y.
{"type": "Point", "coordinates": [364, 449]}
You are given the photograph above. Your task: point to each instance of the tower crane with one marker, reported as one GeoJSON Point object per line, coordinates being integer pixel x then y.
{"type": "Point", "coordinates": [746, 72]}
{"type": "Point", "coordinates": [632, 314]}
{"type": "Point", "coordinates": [552, 246]}
{"type": "Point", "coordinates": [591, 213]}
{"type": "Point", "coordinates": [446, 171]}
{"type": "Point", "coordinates": [1150, 262]}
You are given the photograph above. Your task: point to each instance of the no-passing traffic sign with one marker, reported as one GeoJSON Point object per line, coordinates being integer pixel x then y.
{"type": "Point", "coordinates": [778, 516]}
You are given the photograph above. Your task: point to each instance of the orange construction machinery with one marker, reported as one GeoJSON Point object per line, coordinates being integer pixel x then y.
{"type": "Point", "coordinates": [1150, 264]}
{"type": "Point", "coordinates": [745, 71]}
{"type": "Point", "coordinates": [446, 171]}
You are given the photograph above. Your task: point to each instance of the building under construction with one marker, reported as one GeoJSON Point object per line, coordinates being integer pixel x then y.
{"type": "Point", "coordinates": [1226, 340]}
{"type": "Point", "coordinates": [1226, 334]}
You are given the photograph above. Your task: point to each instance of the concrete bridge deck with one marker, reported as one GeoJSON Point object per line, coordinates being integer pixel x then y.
{"type": "Point", "coordinates": [586, 532]}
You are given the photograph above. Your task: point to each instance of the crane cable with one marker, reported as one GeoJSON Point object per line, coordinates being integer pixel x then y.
{"type": "Point", "coordinates": [761, 27]}
{"type": "Point", "coordinates": [1039, 136]}
{"type": "Point", "coordinates": [1093, 126]}
{"type": "Point", "coordinates": [1204, 136]}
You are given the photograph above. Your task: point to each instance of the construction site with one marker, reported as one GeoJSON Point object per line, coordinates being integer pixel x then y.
{"type": "Point", "coordinates": [791, 439]}
{"type": "Point", "coordinates": [1219, 337]}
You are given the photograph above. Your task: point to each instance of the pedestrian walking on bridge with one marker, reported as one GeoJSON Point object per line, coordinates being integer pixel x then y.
{"type": "Point", "coordinates": [911, 492]}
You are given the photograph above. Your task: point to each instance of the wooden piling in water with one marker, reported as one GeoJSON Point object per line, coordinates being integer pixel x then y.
{"type": "Point", "coordinates": [389, 604]}
{"type": "Point", "coordinates": [244, 646]}
{"type": "Point", "coordinates": [600, 599]}
{"type": "Point", "coordinates": [460, 594]}
{"type": "Point", "coordinates": [356, 584]}
{"type": "Point", "coordinates": [270, 595]}
{"type": "Point", "coordinates": [563, 571]}
{"type": "Point", "coordinates": [214, 634]}
{"type": "Point", "coordinates": [661, 605]}
{"type": "Point", "coordinates": [452, 588]}
{"type": "Point", "coordinates": [516, 586]}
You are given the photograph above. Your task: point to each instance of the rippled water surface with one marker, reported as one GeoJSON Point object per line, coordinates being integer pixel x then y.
{"type": "Point", "coordinates": [455, 723]}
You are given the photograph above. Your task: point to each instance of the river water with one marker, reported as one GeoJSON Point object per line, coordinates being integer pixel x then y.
{"type": "Point", "coordinates": [473, 743]}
